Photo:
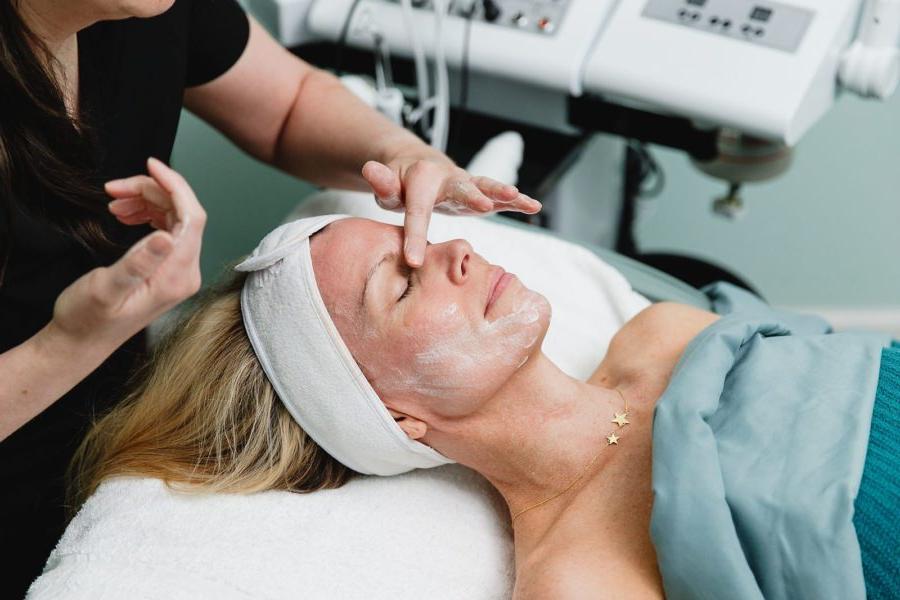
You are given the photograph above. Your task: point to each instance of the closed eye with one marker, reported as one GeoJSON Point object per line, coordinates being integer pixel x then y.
{"type": "Point", "coordinates": [409, 286]}
{"type": "Point", "coordinates": [409, 281]}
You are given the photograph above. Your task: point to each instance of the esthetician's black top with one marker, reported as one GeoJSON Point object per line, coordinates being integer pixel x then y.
{"type": "Point", "coordinates": [132, 79]}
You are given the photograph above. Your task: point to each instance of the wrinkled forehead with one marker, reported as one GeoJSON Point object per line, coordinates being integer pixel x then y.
{"type": "Point", "coordinates": [342, 255]}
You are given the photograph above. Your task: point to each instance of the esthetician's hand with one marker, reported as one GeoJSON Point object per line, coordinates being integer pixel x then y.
{"type": "Point", "coordinates": [110, 304]}
{"type": "Point", "coordinates": [420, 185]}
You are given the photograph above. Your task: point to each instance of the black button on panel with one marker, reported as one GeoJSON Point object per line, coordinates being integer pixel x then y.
{"type": "Point", "coordinates": [726, 23]}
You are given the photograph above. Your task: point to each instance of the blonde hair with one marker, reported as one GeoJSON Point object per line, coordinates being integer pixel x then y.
{"type": "Point", "coordinates": [204, 418]}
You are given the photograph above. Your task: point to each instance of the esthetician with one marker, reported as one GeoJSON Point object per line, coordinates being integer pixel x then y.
{"type": "Point", "coordinates": [87, 94]}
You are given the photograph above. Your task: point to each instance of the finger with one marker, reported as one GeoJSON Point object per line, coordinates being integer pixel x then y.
{"type": "Point", "coordinates": [507, 197]}
{"type": "Point", "coordinates": [124, 188]}
{"type": "Point", "coordinates": [385, 184]}
{"type": "Point", "coordinates": [190, 216]}
{"type": "Point", "coordinates": [527, 204]}
{"type": "Point", "coordinates": [129, 187]}
{"type": "Point", "coordinates": [136, 266]}
{"type": "Point", "coordinates": [142, 187]}
{"type": "Point", "coordinates": [157, 219]}
{"type": "Point", "coordinates": [187, 208]}
{"type": "Point", "coordinates": [522, 203]}
{"type": "Point", "coordinates": [420, 195]}
{"type": "Point", "coordinates": [136, 207]}
{"type": "Point", "coordinates": [127, 206]}
{"type": "Point", "coordinates": [135, 219]}
{"type": "Point", "coordinates": [465, 193]}
{"type": "Point", "coordinates": [496, 190]}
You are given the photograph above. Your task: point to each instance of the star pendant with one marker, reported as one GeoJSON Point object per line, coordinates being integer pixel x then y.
{"type": "Point", "coordinates": [620, 419]}
{"type": "Point", "coordinates": [612, 439]}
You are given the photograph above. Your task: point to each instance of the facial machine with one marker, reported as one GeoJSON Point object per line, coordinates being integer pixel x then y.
{"type": "Point", "coordinates": [735, 83]}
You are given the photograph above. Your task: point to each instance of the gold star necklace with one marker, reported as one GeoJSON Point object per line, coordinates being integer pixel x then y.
{"type": "Point", "coordinates": [621, 420]}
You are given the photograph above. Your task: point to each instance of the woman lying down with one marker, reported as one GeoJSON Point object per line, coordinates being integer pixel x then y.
{"type": "Point", "coordinates": [706, 457]}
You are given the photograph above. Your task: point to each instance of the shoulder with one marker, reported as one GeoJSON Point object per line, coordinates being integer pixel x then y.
{"type": "Point", "coordinates": [650, 344]}
{"type": "Point", "coordinates": [668, 315]}
{"type": "Point", "coordinates": [660, 331]}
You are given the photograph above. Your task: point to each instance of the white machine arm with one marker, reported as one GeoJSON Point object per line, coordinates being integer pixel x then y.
{"type": "Point", "coordinates": [871, 66]}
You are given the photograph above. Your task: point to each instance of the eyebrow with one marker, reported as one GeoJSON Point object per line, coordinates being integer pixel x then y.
{"type": "Point", "coordinates": [381, 261]}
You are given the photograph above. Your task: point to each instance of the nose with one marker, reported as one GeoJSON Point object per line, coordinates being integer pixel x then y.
{"type": "Point", "coordinates": [456, 255]}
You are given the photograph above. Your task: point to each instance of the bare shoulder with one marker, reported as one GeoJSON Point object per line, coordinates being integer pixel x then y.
{"type": "Point", "coordinates": [582, 576]}
{"type": "Point", "coordinates": [667, 317]}
{"type": "Point", "coordinates": [656, 337]}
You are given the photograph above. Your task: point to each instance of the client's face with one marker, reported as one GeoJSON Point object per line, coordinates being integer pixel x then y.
{"type": "Point", "coordinates": [442, 338]}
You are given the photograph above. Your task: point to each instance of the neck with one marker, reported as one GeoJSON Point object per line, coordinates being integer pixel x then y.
{"type": "Point", "coordinates": [56, 23]}
{"type": "Point", "coordinates": [534, 437]}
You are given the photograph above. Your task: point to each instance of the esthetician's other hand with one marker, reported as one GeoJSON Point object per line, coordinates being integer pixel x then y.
{"type": "Point", "coordinates": [420, 185]}
{"type": "Point", "coordinates": [108, 305]}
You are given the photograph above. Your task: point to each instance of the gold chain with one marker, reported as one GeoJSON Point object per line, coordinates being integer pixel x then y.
{"type": "Point", "coordinates": [611, 439]}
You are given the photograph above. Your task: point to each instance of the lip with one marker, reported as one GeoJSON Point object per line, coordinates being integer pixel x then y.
{"type": "Point", "coordinates": [500, 279]}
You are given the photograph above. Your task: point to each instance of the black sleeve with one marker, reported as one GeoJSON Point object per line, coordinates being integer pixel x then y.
{"type": "Point", "coordinates": [218, 34]}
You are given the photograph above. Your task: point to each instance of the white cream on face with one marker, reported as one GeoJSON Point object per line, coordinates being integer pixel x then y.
{"type": "Point", "coordinates": [438, 345]}
{"type": "Point", "coordinates": [461, 358]}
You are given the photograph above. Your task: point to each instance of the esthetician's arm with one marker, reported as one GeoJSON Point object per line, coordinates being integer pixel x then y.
{"type": "Point", "coordinates": [283, 111]}
{"type": "Point", "coordinates": [105, 307]}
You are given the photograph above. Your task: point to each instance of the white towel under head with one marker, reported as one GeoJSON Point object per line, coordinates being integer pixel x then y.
{"type": "Point", "coordinates": [310, 366]}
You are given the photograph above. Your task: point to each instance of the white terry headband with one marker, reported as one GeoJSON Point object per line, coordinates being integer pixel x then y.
{"type": "Point", "coordinates": [308, 364]}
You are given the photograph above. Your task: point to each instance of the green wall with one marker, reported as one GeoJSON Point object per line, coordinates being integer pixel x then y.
{"type": "Point", "coordinates": [827, 233]}
{"type": "Point", "coordinates": [244, 199]}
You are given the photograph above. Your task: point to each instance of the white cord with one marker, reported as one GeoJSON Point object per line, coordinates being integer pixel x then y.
{"type": "Point", "coordinates": [422, 79]}
{"type": "Point", "coordinates": [442, 86]}
{"type": "Point", "coordinates": [415, 115]}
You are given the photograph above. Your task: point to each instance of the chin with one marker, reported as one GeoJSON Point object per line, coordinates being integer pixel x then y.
{"type": "Point", "coordinates": [146, 8]}
{"type": "Point", "coordinates": [541, 313]}
{"type": "Point", "coordinates": [544, 309]}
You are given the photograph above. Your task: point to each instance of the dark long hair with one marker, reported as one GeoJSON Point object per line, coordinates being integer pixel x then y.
{"type": "Point", "coordinates": [47, 158]}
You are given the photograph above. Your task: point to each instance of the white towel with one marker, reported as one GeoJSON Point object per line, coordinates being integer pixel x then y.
{"type": "Point", "coordinates": [373, 538]}
{"type": "Point", "coordinates": [438, 534]}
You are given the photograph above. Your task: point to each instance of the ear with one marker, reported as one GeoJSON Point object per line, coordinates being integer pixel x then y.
{"type": "Point", "coordinates": [411, 426]}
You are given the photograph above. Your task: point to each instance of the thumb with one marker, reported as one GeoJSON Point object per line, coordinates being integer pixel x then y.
{"type": "Point", "coordinates": [136, 267]}
{"type": "Point", "coordinates": [384, 182]}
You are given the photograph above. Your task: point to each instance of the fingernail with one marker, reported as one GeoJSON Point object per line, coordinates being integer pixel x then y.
{"type": "Point", "coordinates": [389, 202]}
{"type": "Point", "coordinates": [415, 254]}
{"type": "Point", "coordinates": [159, 247]}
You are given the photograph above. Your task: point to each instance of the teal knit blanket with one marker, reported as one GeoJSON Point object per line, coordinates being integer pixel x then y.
{"type": "Point", "coordinates": [877, 506]}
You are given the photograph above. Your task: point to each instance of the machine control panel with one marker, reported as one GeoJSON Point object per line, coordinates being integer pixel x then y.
{"type": "Point", "coordinates": [535, 16]}
{"type": "Point", "coordinates": [772, 24]}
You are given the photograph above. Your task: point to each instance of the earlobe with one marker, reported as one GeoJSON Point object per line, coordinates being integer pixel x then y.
{"type": "Point", "coordinates": [412, 427]}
